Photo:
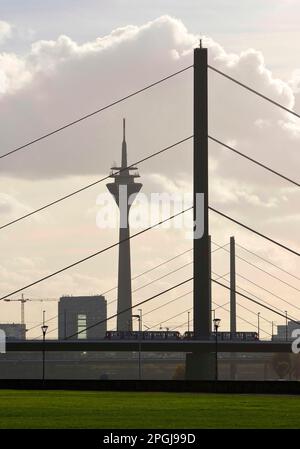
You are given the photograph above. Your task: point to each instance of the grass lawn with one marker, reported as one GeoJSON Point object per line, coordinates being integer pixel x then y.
{"type": "Point", "coordinates": [76, 409]}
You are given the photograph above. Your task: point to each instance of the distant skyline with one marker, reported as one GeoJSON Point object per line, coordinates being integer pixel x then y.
{"type": "Point", "coordinates": [60, 60]}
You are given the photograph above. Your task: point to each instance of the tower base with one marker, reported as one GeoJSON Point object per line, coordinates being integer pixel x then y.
{"type": "Point", "coordinates": [200, 366]}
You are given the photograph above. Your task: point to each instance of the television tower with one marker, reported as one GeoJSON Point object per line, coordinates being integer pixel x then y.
{"type": "Point", "coordinates": [124, 189]}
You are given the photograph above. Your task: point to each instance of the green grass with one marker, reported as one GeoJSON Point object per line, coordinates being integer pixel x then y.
{"type": "Point", "coordinates": [70, 409]}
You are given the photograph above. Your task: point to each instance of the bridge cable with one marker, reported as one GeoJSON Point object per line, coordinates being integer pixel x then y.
{"type": "Point", "coordinates": [105, 320]}
{"type": "Point", "coordinates": [260, 164]}
{"type": "Point", "coordinates": [130, 308]}
{"type": "Point", "coordinates": [290, 111]}
{"type": "Point", "coordinates": [136, 234]}
{"type": "Point", "coordinates": [135, 277]}
{"type": "Point", "coordinates": [267, 261]}
{"type": "Point", "coordinates": [257, 297]}
{"type": "Point", "coordinates": [254, 231]}
{"type": "Point", "coordinates": [74, 122]}
{"type": "Point", "coordinates": [169, 273]}
{"type": "Point", "coordinates": [88, 186]}
{"type": "Point", "coordinates": [96, 253]}
{"type": "Point", "coordinates": [257, 302]}
{"type": "Point", "coordinates": [166, 291]}
{"type": "Point", "coordinates": [261, 269]}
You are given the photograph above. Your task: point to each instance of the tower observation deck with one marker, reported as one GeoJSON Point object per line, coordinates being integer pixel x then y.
{"type": "Point", "coordinates": [124, 189]}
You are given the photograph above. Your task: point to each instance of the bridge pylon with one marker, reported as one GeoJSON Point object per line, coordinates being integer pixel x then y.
{"type": "Point", "coordinates": [201, 366]}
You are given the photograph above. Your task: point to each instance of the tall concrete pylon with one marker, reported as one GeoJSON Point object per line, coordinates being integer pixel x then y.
{"type": "Point", "coordinates": [232, 286]}
{"type": "Point", "coordinates": [201, 365]}
{"type": "Point", "coordinates": [124, 189]}
{"type": "Point", "coordinates": [233, 364]}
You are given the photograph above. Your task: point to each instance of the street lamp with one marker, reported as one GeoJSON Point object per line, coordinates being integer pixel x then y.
{"type": "Point", "coordinates": [258, 324]}
{"type": "Point", "coordinates": [139, 317]}
{"type": "Point", "coordinates": [286, 326]}
{"type": "Point", "coordinates": [44, 331]}
{"type": "Point", "coordinates": [216, 327]}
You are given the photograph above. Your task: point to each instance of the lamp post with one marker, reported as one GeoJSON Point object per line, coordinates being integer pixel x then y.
{"type": "Point", "coordinates": [216, 327]}
{"type": "Point", "coordinates": [286, 326]}
{"type": "Point", "coordinates": [139, 317]}
{"type": "Point", "coordinates": [189, 323]}
{"type": "Point", "coordinates": [273, 330]}
{"type": "Point", "coordinates": [44, 331]}
{"type": "Point", "coordinates": [258, 324]}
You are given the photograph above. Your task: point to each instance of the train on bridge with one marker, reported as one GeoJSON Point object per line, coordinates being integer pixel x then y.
{"type": "Point", "coordinates": [175, 335]}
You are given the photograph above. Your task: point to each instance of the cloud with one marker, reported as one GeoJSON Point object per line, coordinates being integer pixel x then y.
{"type": "Point", "coordinates": [10, 205]}
{"type": "Point", "coordinates": [295, 81]}
{"type": "Point", "coordinates": [13, 74]}
{"type": "Point", "coordinates": [5, 31]}
{"type": "Point", "coordinates": [58, 81]}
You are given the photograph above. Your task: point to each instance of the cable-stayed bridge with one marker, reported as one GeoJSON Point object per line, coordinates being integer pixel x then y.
{"type": "Point", "coordinates": [203, 277]}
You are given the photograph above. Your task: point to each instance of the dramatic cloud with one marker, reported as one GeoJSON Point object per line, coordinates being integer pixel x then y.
{"type": "Point", "coordinates": [59, 81]}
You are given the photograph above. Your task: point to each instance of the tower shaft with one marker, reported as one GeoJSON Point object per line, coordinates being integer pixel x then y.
{"type": "Point", "coordinates": [201, 299]}
{"type": "Point", "coordinates": [232, 286]}
{"type": "Point", "coordinates": [124, 319]}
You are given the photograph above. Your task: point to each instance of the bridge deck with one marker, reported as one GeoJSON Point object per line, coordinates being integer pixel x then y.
{"type": "Point", "coordinates": [159, 346]}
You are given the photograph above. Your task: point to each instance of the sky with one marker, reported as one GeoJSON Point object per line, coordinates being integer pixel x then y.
{"type": "Point", "coordinates": [61, 60]}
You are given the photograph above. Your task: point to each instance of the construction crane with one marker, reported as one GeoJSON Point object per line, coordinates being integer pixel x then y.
{"type": "Point", "coordinates": [23, 300]}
